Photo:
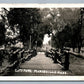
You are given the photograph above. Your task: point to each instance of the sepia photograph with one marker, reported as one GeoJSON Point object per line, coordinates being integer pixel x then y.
{"type": "Point", "coordinates": [41, 41]}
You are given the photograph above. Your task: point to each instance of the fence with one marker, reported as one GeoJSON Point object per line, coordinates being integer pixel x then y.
{"type": "Point", "coordinates": [15, 58]}
{"type": "Point", "coordinates": [62, 57]}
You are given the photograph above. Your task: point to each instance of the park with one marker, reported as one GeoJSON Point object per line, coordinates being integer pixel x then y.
{"type": "Point", "coordinates": [41, 41]}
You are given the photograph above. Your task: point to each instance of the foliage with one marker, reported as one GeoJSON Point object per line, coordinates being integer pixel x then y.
{"type": "Point", "coordinates": [27, 20]}
{"type": "Point", "coordinates": [2, 33]}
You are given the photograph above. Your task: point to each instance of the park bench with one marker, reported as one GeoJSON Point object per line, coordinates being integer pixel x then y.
{"type": "Point", "coordinates": [13, 55]}
{"type": "Point", "coordinates": [82, 51]}
{"type": "Point", "coordinates": [30, 54]}
{"type": "Point", "coordinates": [60, 57]}
{"type": "Point", "coordinates": [26, 51]}
{"type": "Point", "coordinates": [27, 55]}
{"type": "Point", "coordinates": [20, 56]}
{"type": "Point", "coordinates": [49, 54]}
{"type": "Point", "coordinates": [16, 58]}
{"type": "Point", "coordinates": [12, 65]}
{"type": "Point", "coordinates": [57, 57]}
{"type": "Point", "coordinates": [21, 52]}
{"type": "Point", "coordinates": [33, 52]}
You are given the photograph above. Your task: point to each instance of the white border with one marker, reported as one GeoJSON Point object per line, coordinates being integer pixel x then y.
{"type": "Point", "coordinates": [41, 78]}
{"type": "Point", "coordinates": [41, 5]}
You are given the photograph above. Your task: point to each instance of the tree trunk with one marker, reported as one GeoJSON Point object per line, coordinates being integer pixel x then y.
{"type": "Point", "coordinates": [73, 49]}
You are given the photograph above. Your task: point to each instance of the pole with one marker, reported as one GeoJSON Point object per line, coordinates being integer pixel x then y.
{"type": "Point", "coordinates": [66, 63]}
{"type": "Point", "coordinates": [36, 45]}
{"type": "Point", "coordinates": [30, 43]}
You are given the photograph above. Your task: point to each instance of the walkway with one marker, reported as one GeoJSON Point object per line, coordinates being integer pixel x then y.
{"type": "Point", "coordinates": [40, 65]}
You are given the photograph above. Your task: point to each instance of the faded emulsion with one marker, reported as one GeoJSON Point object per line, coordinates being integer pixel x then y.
{"type": "Point", "coordinates": [41, 41]}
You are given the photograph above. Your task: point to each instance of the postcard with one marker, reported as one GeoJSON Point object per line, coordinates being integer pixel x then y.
{"type": "Point", "coordinates": [42, 42]}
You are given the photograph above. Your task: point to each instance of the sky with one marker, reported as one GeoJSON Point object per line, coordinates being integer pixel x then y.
{"type": "Point", "coordinates": [46, 39]}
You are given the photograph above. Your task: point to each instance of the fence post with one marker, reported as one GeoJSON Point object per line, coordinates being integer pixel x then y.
{"type": "Point", "coordinates": [66, 62]}
{"type": "Point", "coordinates": [55, 57]}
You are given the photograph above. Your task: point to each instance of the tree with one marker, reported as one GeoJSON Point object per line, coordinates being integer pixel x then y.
{"type": "Point", "coordinates": [2, 33]}
{"type": "Point", "coordinates": [2, 26]}
{"type": "Point", "coordinates": [63, 37]}
{"type": "Point", "coordinates": [27, 19]}
{"type": "Point", "coordinates": [67, 27]}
